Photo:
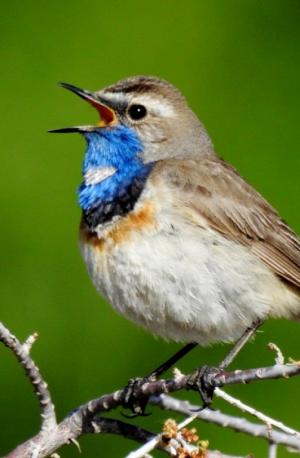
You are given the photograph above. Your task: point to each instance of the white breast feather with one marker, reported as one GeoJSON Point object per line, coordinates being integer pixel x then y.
{"type": "Point", "coordinates": [185, 282]}
{"type": "Point", "coordinates": [96, 175]}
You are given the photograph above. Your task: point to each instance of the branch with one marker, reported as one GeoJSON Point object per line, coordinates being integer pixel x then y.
{"type": "Point", "coordinates": [110, 401]}
{"type": "Point", "coordinates": [227, 421]}
{"type": "Point", "coordinates": [177, 440]}
{"type": "Point", "coordinates": [270, 422]}
{"type": "Point", "coordinates": [272, 450]}
{"type": "Point", "coordinates": [85, 418]}
{"type": "Point", "coordinates": [173, 436]}
{"type": "Point", "coordinates": [21, 351]}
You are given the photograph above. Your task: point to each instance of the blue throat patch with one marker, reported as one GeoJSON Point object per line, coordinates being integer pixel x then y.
{"type": "Point", "coordinates": [117, 147]}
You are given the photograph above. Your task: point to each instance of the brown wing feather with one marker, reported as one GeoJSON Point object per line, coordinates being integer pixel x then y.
{"type": "Point", "coordinates": [231, 206]}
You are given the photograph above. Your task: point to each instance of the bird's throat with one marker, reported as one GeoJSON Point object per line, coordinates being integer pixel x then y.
{"type": "Point", "coordinates": [116, 193]}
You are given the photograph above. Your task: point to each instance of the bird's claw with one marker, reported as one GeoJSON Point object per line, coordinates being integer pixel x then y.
{"type": "Point", "coordinates": [137, 404]}
{"type": "Point", "coordinates": [204, 384]}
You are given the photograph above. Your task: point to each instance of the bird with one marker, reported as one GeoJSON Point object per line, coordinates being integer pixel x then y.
{"type": "Point", "coordinates": [172, 236]}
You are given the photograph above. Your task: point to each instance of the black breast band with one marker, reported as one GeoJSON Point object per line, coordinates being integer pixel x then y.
{"type": "Point", "coordinates": [103, 212]}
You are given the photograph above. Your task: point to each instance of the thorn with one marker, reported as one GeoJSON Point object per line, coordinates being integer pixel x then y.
{"type": "Point", "coordinates": [279, 356]}
{"type": "Point", "coordinates": [177, 374]}
{"type": "Point", "coordinates": [27, 345]}
{"type": "Point", "coordinates": [76, 443]}
{"type": "Point", "coordinates": [294, 361]}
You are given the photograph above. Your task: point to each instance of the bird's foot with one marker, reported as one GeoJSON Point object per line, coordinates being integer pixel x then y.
{"type": "Point", "coordinates": [134, 399]}
{"type": "Point", "coordinates": [204, 384]}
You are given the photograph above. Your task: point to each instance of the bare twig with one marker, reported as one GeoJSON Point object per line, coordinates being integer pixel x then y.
{"type": "Point", "coordinates": [155, 441]}
{"type": "Point", "coordinates": [33, 373]}
{"type": "Point", "coordinates": [270, 422]}
{"type": "Point", "coordinates": [227, 421]}
{"type": "Point", "coordinates": [257, 374]}
{"type": "Point", "coordinates": [279, 356]}
{"type": "Point", "coordinates": [176, 441]}
{"type": "Point", "coordinates": [272, 451]}
{"type": "Point", "coordinates": [27, 345]}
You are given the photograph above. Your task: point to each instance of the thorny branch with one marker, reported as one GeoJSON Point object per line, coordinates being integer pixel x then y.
{"type": "Point", "coordinates": [85, 419]}
{"type": "Point", "coordinates": [40, 388]}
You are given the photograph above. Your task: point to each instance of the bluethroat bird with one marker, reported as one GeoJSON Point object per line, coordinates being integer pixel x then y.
{"type": "Point", "coordinates": [171, 234]}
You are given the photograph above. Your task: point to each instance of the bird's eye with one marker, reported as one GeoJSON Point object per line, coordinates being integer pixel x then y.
{"type": "Point", "coordinates": [137, 112]}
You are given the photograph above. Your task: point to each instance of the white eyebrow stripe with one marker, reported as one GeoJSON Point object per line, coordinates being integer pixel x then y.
{"type": "Point", "coordinates": [158, 106]}
{"type": "Point", "coordinates": [96, 175]}
{"type": "Point", "coordinates": [114, 97]}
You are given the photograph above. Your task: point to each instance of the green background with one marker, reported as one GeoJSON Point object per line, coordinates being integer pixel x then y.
{"type": "Point", "coordinates": [238, 64]}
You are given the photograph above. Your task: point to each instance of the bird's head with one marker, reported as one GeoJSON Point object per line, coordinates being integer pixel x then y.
{"type": "Point", "coordinates": [142, 120]}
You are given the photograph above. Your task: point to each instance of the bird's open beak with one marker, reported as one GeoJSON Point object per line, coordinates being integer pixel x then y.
{"type": "Point", "coordinates": [107, 115]}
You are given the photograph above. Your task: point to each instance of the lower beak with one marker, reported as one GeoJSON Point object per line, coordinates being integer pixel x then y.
{"type": "Point", "coordinates": [107, 115]}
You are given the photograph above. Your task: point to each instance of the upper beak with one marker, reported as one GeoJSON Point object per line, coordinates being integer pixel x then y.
{"type": "Point", "coordinates": [107, 115]}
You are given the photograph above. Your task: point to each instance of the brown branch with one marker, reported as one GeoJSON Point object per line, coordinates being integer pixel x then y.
{"type": "Point", "coordinates": [136, 433]}
{"type": "Point", "coordinates": [83, 420]}
{"type": "Point", "coordinates": [111, 401]}
{"type": "Point", "coordinates": [21, 351]}
{"type": "Point", "coordinates": [112, 426]}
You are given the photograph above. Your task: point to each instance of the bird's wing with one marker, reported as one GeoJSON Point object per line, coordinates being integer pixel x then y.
{"type": "Point", "coordinates": [232, 207]}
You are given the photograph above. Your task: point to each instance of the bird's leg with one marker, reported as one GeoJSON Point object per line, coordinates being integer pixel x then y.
{"type": "Point", "coordinates": [205, 374]}
{"type": "Point", "coordinates": [171, 361]}
{"type": "Point", "coordinates": [240, 343]}
{"type": "Point", "coordinates": [138, 405]}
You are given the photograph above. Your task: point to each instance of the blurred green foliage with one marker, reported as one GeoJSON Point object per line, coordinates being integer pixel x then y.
{"type": "Point", "coordinates": [238, 64]}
